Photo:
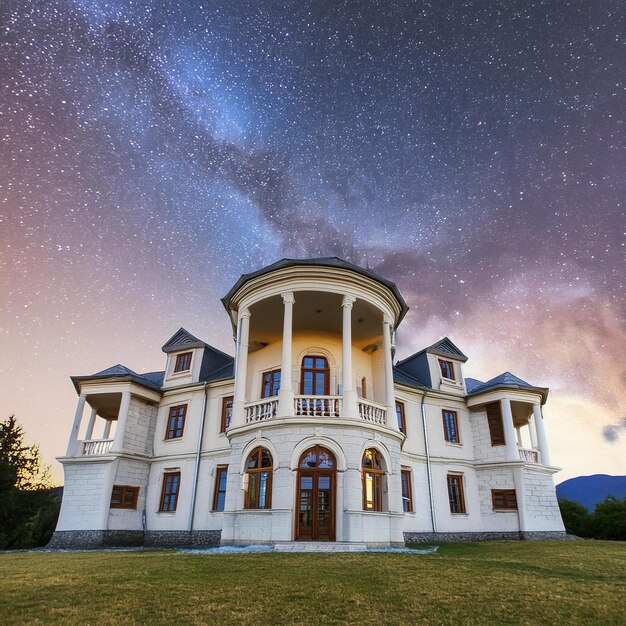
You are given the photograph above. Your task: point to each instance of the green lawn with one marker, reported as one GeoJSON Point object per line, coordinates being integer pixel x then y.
{"type": "Point", "coordinates": [571, 582]}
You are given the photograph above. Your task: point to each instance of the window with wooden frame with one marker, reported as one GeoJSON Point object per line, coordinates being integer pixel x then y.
{"type": "Point", "coordinates": [496, 428]}
{"type": "Point", "coordinates": [227, 413]}
{"type": "Point", "coordinates": [400, 416]}
{"type": "Point", "coordinates": [373, 476]}
{"type": "Point", "coordinates": [450, 426]}
{"type": "Point", "coordinates": [271, 384]}
{"type": "Point", "coordinates": [176, 422]}
{"type": "Point", "coordinates": [124, 497]}
{"type": "Point", "coordinates": [407, 490]}
{"type": "Point", "coordinates": [504, 499]}
{"type": "Point", "coordinates": [447, 369]}
{"type": "Point", "coordinates": [259, 469]}
{"type": "Point", "coordinates": [169, 492]}
{"type": "Point", "coordinates": [455, 493]}
{"type": "Point", "coordinates": [219, 497]}
{"type": "Point", "coordinates": [315, 378]}
{"type": "Point", "coordinates": [183, 362]}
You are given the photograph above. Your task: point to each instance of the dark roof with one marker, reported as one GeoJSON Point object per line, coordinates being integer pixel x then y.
{"type": "Point", "coordinates": [444, 347]}
{"type": "Point", "coordinates": [318, 262]}
{"type": "Point", "coordinates": [182, 339]}
{"type": "Point", "coordinates": [223, 373]}
{"type": "Point", "coordinates": [505, 380]}
{"type": "Point", "coordinates": [151, 380]}
{"type": "Point", "coordinates": [403, 378]}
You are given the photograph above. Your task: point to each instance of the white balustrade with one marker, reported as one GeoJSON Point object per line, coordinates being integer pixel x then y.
{"type": "Point", "coordinates": [372, 412]}
{"type": "Point", "coordinates": [261, 410]}
{"type": "Point", "coordinates": [95, 447]}
{"type": "Point", "coordinates": [528, 456]}
{"type": "Point", "coordinates": [318, 406]}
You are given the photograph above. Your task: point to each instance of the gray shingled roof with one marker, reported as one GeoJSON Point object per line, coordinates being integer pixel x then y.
{"type": "Point", "coordinates": [402, 378]}
{"type": "Point", "coordinates": [320, 262]}
{"type": "Point", "coordinates": [506, 380]}
{"type": "Point", "coordinates": [182, 339]}
{"type": "Point", "coordinates": [152, 380]}
{"type": "Point", "coordinates": [443, 347]}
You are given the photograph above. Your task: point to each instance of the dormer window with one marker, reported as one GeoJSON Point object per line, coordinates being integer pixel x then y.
{"type": "Point", "coordinates": [447, 369]}
{"type": "Point", "coordinates": [183, 362]}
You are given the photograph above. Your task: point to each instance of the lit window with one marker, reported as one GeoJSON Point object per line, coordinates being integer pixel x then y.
{"type": "Point", "coordinates": [259, 474]}
{"type": "Point", "coordinates": [447, 369]}
{"type": "Point", "coordinates": [451, 426]}
{"type": "Point", "coordinates": [407, 495]}
{"type": "Point", "coordinates": [183, 362]}
{"type": "Point", "coordinates": [176, 422]}
{"type": "Point", "coordinates": [504, 499]}
{"type": "Point", "coordinates": [169, 492]}
{"type": "Point", "coordinates": [373, 475]}
{"type": "Point", "coordinates": [455, 493]}
{"type": "Point", "coordinates": [221, 473]}
{"type": "Point", "coordinates": [124, 497]}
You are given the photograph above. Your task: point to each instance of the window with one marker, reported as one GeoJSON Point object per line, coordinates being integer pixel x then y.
{"type": "Point", "coordinates": [400, 416]}
{"type": "Point", "coordinates": [496, 429]}
{"type": "Point", "coordinates": [271, 384]}
{"type": "Point", "coordinates": [455, 493]}
{"type": "Point", "coordinates": [372, 475]}
{"type": "Point", "coordinates": [407, 491]}
{"type": "Point", "coordinates": [183, 362]}
{"type": "Point", "coordinates": [169, 492]}
{"type": "Point", "coordinates": [124, 497]}
{"type": "Point", "coordinates": [227, 413]}
{"type": "Point", "coordinates": [447, 369]}
{"type": "Point", "coordinates": [450, 426]}
{"type": "Point", "coordinates": [221, 473]}
{"type": "Point", "coordinates": [364, 388]}
{"type": "Point", "coordinates": [315, 376]}
{"type": "Point", "coordinates": [176, 422]}
{"type": "Point", "coordinates": [259, 474]}
{"type": "Point", "coordinates": [504, 499]}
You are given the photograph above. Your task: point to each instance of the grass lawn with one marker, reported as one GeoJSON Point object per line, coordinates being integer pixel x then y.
{"type": "Point", "coordinates": [573, 582]}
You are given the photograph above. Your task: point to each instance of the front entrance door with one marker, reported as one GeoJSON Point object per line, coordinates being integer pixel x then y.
{"type": "Point", "coordinates": [315, 503]}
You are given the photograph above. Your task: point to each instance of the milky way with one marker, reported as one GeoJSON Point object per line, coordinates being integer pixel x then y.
{"type": "Point", "coordinates": [473, 152]}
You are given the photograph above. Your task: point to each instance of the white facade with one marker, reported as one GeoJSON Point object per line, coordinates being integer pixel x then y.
{"type": "Point", "coordinates": [148, 460]}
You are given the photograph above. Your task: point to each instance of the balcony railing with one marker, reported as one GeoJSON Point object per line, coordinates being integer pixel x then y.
{"type": "Point", "coordinates": [318, 406]}
{"type": "Point", "coordinates": [261, 410]}
{"type": "Point", "coordinates": [95, 447]}
{"type": "Point", "coordinates": [372, 412]}
{"type": "Point", "coordinates": [528, 456]}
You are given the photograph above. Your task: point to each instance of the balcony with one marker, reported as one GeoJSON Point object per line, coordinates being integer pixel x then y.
{"type": "Point", "coordinates": [372, 412]}
{"type": "Point", "coordinates": [529, 456]}
{"type": "Point", "coordinates": [261, 410]}
{"type": "Point", "coordinates": [95, 447]}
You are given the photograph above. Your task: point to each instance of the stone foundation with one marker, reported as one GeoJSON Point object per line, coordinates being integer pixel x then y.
{"type": "Point", "coordinates": [94, 539]}
{"type": "Point", "coordinates": [413, 538]}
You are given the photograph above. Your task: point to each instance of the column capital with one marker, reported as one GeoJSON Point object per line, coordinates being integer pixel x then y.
{"type": "Point", "coordinates": [387, 320]}
{"type": "Point", "coordinates": [348, 301]}
{"type": "Point", "coordinates": [287, 297]}
{"type": "Point", "coordinates": [244, 314]}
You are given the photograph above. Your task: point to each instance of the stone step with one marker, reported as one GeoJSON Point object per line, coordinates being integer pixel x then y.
{"type": "Point", "coordinates": [319, 546]}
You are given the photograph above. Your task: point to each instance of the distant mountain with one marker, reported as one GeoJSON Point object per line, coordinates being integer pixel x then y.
{"type": "Point", "coordinates": [589, 490]}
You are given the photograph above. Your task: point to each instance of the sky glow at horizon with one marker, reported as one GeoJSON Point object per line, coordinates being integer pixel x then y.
{"type": "Point", "coordinates": [471, 152]}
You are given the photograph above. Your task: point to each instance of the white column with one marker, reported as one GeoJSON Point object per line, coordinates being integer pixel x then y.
{"type": "Point", "coordinates": [532, 426]}
{"type": "Point", "coordinates": [350, 408]}
{"type": "Point", "coordinates": [78, 416]}
{"type": "Point", "coordinates": [542, 442]}
{"type": "Point", "coordinates": [285, 393]}
{"type": "Point", "coordinates": [390, 396]}
{"type": "Point", "coordinates": [239, 417]}
{"type": "Point", "coordinates": [91, 423]}
{"type": "Point", "coordinates": [518, 434]}
{"type": "Point", "coordinates": [120, 429]}
{"type": "Point", "coordinates": [512, 453]}
{"type": "Point", "coordinates": [107, 429]}
{"type": "Point", "coordinates": [518, 479]}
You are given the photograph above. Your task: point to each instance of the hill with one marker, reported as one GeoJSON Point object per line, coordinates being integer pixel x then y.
{"type": "Point", "coordinates": [589, 490]}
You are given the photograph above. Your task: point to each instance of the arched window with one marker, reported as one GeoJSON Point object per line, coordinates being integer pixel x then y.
{"type": "Point", "coordinates": [315, 376]}
{"type": "Point", "coordinates": [259, 474]}
{"type": "Point", "coordinates": [373, 475]}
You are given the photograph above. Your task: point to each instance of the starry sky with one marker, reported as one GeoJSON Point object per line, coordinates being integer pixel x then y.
{"type": "Point", "coordinates": [471, 151]}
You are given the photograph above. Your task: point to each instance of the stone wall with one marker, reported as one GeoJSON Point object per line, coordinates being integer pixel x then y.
{"type": "Point", "coordinates": [483, 450]}
{"type": "Point", "coordinates": [414, 538]}
{"type": "Point", "coordinates": [85, 539]}
{"type": "Point", "coordinates": [140, 425]}
{"type": "Point", "coordinates": [542, 508]}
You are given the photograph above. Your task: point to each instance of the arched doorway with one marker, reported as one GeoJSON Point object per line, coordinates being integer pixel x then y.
{"type": "Point", "coordinates": [315, 498]}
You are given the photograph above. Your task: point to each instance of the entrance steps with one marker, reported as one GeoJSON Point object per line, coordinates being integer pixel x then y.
{"type": "Point", "coordinates": [319, 546]}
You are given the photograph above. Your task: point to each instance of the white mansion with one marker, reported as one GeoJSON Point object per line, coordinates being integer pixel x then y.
{"type": "Point", "coordinates": [310, 433]}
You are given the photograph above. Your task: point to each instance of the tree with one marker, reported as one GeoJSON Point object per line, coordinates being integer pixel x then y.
{"type": "Point", "coordinates": [577, 520]}
{"type": "Point", "coordinates": [610, 519]}
{"type": "Point", "coordinates": [26, 502]}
